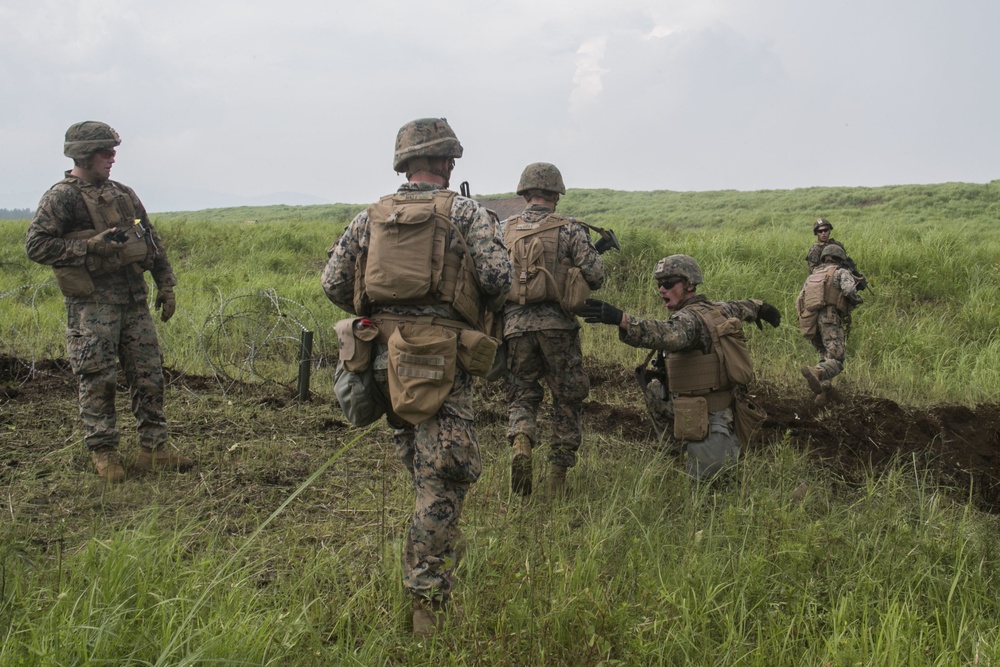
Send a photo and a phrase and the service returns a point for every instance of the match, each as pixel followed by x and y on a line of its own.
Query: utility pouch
pixel 494 326
pixel 75 281
pixel 476 352
pixel 690 418
pixel 576 290
pixel 355 343
pixel 748 418
pixel 422 360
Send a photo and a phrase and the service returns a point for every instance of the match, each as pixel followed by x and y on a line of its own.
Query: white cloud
pixel 587 76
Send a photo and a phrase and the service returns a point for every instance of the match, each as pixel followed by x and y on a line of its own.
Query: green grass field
pixel 283 547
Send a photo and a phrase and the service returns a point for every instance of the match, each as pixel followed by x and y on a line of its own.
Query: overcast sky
pixel 229 102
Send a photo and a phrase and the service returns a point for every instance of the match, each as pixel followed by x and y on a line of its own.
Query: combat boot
pixel 162 459
pixel 557 481
pixel 812 378
pixel 429 616
pixel 822 400
pixel 520 465
pixel 109 467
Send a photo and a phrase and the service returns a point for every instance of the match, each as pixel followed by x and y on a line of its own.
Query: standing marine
pixel 97 237
pixel 420 267
pixel 707 365
pixel 824 305
pixel 555 268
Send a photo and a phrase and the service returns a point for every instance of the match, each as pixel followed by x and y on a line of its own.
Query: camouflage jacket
pixel 684 330
pixel 813 256
pixel 62 211
pixel 481 236
pixel 574 243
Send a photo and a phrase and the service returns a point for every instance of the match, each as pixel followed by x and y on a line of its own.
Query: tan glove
pixel 103 246
pixel 165 302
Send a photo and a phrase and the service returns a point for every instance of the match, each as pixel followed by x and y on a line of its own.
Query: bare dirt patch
pixel 857 434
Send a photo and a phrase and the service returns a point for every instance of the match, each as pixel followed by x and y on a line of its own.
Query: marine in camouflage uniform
pixel 111 320
pixel 821 230
pixel 441 453
pixel 542 341
pixel 677 278
pixel 830 335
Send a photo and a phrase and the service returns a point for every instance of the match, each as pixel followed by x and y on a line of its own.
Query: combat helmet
pixel 541 176
pixel 683 266
pixel 425 137
pixel 833 250
pixel 86 138
pixel 821 222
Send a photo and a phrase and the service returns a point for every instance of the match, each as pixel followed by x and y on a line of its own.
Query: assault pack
pixel 539 276
pixel 408 260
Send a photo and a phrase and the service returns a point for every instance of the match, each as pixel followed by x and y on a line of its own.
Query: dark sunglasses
pixel 668 283
pixel 106 153
pixel 824 229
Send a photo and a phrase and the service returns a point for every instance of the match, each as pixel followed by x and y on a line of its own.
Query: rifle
pixel 608 240
pixel 653 368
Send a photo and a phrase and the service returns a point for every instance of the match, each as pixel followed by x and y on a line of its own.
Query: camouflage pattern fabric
pixel 682 332
pixel 112 322
pixel 442 453
pixel 574 244
pixel 97 334
pixel 557 357
pixel 832 327
pixel 813 256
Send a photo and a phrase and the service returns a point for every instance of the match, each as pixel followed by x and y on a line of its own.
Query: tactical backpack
pixel 539 276
pixel 820 291
pixel 408 262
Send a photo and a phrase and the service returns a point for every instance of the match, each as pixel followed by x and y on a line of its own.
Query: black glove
pixel 769 314
pixel 602 245
pixel 600 312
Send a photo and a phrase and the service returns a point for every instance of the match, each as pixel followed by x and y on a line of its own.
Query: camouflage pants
pixel 96 335
pixel 830 342
pixel 557 357
pixel 442 455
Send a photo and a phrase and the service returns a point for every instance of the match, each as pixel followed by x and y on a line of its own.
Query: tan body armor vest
pixel 539 275
pixel 408 263
pixel 106 211
pixel 714 374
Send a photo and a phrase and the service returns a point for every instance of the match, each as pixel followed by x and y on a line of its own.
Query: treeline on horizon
pixel 16 213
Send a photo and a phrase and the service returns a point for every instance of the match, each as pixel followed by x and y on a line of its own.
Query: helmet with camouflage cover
pixel 682 266
pixel 541 176
pixel 821 222
pixel 86 138
pixel 425 137
pixel 833 250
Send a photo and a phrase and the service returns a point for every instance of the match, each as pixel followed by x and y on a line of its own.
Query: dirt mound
pixel 854 435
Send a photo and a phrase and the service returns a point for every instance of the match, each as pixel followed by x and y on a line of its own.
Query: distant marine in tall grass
pixel 824 305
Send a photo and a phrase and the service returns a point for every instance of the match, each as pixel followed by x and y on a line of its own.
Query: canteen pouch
pixel 690 418
pixel 355 343
pixel 476 352
pixel 422 362
pixel 358 395
pixel 748 418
